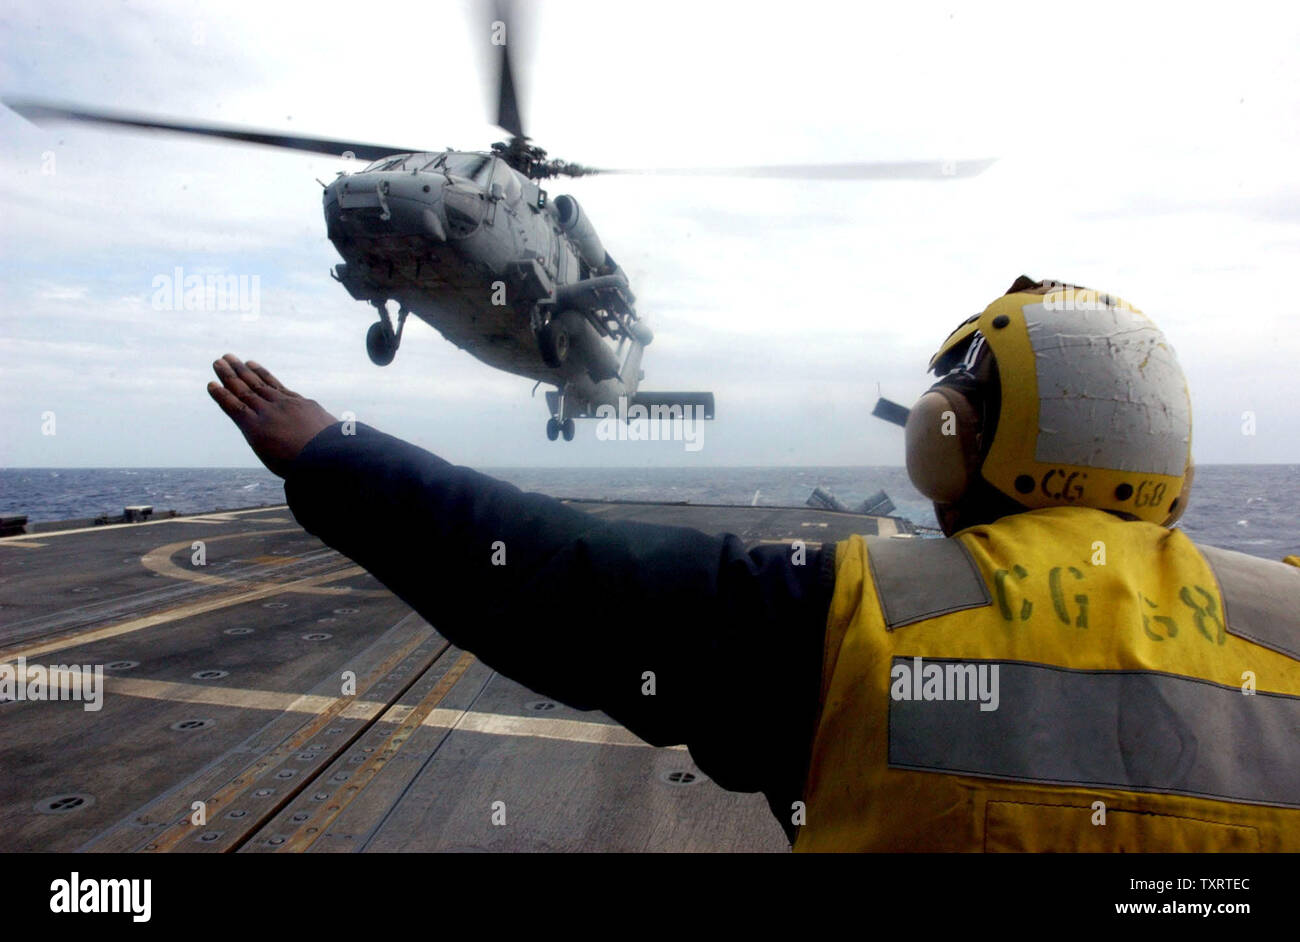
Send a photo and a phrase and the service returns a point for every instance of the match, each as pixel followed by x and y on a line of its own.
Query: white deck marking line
pixel 9 541
pixel 535 727
pixel 173 614
pixel 224 518
pixel 242 698
pixel 46 534
pixel 596 509
pixel 492 724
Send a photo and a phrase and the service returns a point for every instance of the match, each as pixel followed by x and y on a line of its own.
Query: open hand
pixel 277 422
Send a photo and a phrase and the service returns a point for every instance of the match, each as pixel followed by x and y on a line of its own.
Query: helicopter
pixel 471 243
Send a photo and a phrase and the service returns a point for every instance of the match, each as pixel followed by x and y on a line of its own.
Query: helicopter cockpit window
pixel 470 166
pixel 387 163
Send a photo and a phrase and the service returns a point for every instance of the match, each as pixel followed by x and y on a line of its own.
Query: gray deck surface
pixel 432 746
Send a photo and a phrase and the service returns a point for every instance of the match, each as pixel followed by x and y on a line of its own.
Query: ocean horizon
pixel 1252 508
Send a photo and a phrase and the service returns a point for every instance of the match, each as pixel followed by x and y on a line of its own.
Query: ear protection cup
pixel 943 444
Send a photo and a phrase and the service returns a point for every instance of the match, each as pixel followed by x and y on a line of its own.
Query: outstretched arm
pixel 581 608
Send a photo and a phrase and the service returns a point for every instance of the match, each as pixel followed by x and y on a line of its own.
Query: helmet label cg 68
pixel 1063 484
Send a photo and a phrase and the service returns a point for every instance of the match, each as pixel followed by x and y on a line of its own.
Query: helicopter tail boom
pixel 699 404
pixel 652 406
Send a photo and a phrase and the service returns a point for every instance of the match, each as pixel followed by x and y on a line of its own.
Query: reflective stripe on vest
pixel 1085 692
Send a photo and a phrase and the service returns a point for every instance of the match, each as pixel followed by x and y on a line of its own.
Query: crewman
pixel 1065 671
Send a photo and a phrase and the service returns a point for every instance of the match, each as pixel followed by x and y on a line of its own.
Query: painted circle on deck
pixel 159 562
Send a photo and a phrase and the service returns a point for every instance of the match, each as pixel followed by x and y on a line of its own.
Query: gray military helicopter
pixel 470 243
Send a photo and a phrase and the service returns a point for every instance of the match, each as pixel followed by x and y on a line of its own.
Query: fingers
pixel 230 403
pixel 251 379
pixel 243 382
pixel 269 379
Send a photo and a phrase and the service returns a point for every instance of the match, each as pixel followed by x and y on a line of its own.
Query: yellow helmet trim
pixel 955 338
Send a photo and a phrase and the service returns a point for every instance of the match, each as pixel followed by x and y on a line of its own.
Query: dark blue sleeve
pixel 583 608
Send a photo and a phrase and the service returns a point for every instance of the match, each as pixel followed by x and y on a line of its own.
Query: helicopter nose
pixel 373 204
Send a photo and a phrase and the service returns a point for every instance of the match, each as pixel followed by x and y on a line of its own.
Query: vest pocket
pixel 1044 828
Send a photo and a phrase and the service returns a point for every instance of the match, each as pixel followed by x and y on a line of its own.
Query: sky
pixel 1150 156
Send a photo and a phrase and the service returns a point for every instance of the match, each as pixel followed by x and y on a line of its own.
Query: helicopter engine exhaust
pixel 576 224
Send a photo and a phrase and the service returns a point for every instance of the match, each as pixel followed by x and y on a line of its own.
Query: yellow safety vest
pixel 1059 680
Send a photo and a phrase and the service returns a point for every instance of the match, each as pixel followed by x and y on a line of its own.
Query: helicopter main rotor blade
pixel 503 22
pixel 40 112
pixel 872 170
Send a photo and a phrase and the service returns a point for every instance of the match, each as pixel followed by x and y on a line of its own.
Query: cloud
pixel 1125 163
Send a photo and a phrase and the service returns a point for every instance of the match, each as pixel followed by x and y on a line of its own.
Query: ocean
pixel 1250 508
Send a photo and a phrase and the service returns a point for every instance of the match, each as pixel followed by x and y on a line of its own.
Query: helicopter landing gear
pixel 381 340
pixel 381 344
pixel 555 426
pixel 553 340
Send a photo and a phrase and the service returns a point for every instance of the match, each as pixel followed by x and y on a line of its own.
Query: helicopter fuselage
pixel 476 249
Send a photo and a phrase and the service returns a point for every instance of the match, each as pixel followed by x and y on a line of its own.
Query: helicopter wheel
pixel 552 429
pixel 381 345
pixel 569 429
pixel 554 342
